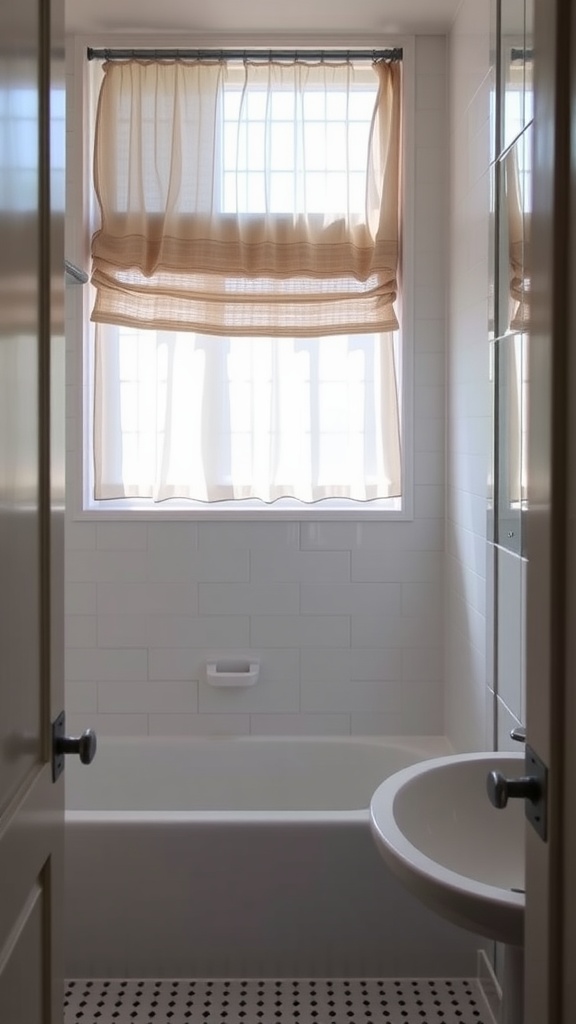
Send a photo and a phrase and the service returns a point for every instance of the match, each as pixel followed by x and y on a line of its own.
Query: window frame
pixel 79 302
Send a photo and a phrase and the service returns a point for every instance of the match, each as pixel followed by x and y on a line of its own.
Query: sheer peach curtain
pixel 518 189
pixel 518 241
pixel 247 199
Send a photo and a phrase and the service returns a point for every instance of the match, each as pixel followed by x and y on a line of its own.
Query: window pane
pixel 256 147
pixel 282 193
pixel 315 147
pixel 316 191
pixel 336 191
pixel 234 146
pixel 360 104
pixel 336 144
pixel 358 137
pixel 254 105
pixel 314 105
pixel 231 103
pixel 322 132
pixel 282 147
pixel 335 105
pixel 283 105
pixel 255 194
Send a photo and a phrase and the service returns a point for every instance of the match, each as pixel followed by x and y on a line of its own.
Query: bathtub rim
pixel 411 741
pixel 360 816
pixel 432 746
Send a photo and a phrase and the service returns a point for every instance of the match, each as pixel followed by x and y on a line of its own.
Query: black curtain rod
pixel 185 54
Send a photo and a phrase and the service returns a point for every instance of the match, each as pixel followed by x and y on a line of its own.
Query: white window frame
pixel 80 299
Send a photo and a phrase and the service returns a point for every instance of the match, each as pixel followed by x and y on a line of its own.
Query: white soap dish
pixel 232 673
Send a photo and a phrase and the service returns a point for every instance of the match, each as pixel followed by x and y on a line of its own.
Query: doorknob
pixel 531 787
pixel 501 790
pixel 84 746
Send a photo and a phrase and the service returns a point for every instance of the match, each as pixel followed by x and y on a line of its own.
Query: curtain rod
pixel 214 54
pixel 517 53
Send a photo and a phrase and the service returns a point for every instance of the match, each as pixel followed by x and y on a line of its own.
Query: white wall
pixel 469 698
pixel 345 618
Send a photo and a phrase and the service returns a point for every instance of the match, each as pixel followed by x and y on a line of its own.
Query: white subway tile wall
pixel 345 618
pixel 468 703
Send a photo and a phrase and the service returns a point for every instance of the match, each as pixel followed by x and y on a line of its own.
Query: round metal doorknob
pixel 84 746
pixel 501 789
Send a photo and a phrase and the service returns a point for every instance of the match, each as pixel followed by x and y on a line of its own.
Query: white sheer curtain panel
pixel 216 419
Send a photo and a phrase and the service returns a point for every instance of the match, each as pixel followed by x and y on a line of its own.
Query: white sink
pixel 437 830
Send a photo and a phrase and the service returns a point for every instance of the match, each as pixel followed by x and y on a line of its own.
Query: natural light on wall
pixel 299 162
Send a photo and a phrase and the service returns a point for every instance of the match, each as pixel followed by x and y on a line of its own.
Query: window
pixel 246 347
pixel 19 143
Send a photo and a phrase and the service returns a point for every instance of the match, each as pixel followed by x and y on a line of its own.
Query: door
pixel 31 507
pixel 550 528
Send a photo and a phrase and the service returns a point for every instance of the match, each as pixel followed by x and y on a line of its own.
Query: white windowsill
pixel 142 510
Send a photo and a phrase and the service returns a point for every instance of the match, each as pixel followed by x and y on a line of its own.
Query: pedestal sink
pixel 437 830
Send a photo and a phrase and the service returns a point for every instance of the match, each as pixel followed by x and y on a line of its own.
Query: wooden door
pixel 550 534
pixel 31 507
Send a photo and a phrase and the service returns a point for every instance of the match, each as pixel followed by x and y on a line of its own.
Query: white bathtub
pixel 230 857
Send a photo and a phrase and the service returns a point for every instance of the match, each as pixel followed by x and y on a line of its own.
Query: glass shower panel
pixel 512 70
pixel 515 201
pixel 512 365
pixel 511 346
pixel 529 62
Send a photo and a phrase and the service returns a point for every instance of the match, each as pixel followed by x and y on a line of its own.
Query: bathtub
pixel 248 856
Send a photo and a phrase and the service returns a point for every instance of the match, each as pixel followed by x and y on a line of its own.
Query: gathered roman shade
pixel 248 199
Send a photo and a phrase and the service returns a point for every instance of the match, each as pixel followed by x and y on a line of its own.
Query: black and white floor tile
pixel 271 1001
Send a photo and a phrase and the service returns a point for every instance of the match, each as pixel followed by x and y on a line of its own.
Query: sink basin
pixel 437 830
